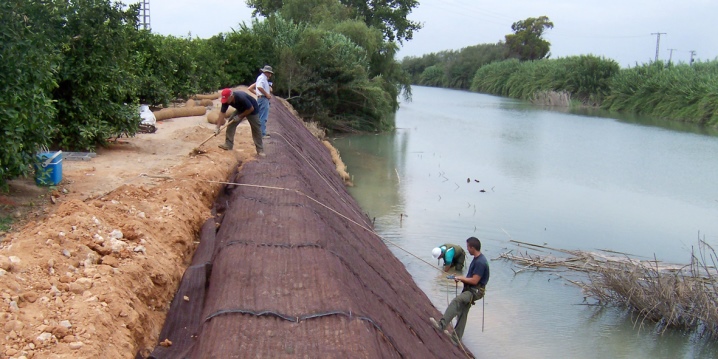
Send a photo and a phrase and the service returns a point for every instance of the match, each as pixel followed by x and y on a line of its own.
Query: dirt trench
pixel 91 271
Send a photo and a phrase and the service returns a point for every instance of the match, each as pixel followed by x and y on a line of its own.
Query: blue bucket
pixel 49 171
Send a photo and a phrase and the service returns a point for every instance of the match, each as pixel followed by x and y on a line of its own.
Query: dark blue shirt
pixel 242 102
pixel 480 266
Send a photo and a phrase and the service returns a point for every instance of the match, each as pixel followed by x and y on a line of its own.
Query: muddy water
pixel 573 181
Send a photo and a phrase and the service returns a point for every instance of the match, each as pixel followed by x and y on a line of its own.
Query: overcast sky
pixel 617 29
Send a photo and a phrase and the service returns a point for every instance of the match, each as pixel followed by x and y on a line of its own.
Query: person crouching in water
pixel 453 256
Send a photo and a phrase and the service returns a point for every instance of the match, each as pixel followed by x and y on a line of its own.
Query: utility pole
pixel 693 52
pixel 658 41
pixel 145 15
pixel 670 57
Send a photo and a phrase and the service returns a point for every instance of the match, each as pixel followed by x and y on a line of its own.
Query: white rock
pixel 94 219
pixel 66 253
pixel 93 257
pixel 76 345
pixel 61 234
pixel 2 272
pixel 141 215
pixel 116 234
pixel 14 307
pixel 98 238
pixel 117 245
pixel 140 249
pixel 14 260
pixel 45 336
pixel 85 283
pixel 66 324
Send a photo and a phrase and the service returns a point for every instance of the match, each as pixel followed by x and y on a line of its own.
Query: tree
pixel 526 43
pixel 389 16
pixel 96 77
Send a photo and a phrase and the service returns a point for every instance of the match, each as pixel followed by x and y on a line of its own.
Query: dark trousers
pixel 459 309
pixel 256 132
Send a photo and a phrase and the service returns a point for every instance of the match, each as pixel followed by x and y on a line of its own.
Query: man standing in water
pixel 474 289
pixel 452 255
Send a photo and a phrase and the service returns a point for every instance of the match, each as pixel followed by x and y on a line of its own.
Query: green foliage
pixel 433 76
pixel 526 43
pixel 493 78
pixel 245 52
pixel 389 16
pixel 458 67
pixel 337 71
pixel 678 92
pixel 83 66
pixel 96 77
pixel 315 11
pixel 586 78
pixel 27 69
pixel 5 223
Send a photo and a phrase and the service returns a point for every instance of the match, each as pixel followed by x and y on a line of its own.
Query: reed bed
pixel 677 92
pixel 586 78
pixel 672 296
pixel 552 98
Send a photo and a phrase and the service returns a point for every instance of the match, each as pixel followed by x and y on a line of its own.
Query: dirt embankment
pixel 93 270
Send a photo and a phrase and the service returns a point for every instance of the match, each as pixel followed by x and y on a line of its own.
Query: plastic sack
pixel 148 118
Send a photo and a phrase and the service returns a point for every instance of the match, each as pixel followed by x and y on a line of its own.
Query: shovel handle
pixel 220 130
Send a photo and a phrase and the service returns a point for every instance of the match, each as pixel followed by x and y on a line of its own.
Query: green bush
pixel 27 69
pixel 97 84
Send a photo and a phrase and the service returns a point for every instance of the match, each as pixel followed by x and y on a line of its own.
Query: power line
pixel 658 41
pixel 145 15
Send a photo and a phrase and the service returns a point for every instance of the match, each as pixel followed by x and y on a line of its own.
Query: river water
pixel 463 164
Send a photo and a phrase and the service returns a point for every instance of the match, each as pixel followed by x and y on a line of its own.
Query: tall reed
pixel 586 78
pixel 677 92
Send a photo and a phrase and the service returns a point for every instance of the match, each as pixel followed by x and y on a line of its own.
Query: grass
pixel 5 223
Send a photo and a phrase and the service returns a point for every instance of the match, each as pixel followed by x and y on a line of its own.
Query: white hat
pixel 436 252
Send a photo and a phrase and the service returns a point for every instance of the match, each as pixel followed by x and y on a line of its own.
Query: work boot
pixel 224 147
pixel 436 324
pixel 266 136
pixel 454 338
pixel 261 154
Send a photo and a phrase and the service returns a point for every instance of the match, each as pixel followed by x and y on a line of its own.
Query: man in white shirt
pixel 264 93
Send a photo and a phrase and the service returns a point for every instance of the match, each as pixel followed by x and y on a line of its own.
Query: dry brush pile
pixel 681 297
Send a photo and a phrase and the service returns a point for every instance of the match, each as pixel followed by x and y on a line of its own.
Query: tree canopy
pixel 526 43
pixel 389 16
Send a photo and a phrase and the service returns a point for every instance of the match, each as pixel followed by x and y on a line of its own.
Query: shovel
pixel 197 151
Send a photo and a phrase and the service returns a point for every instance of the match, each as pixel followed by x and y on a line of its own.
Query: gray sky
pixel 617 29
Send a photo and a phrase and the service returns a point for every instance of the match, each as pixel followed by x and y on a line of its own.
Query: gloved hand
pixel 216 130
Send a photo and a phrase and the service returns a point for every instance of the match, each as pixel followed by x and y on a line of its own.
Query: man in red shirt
pixel 245 107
